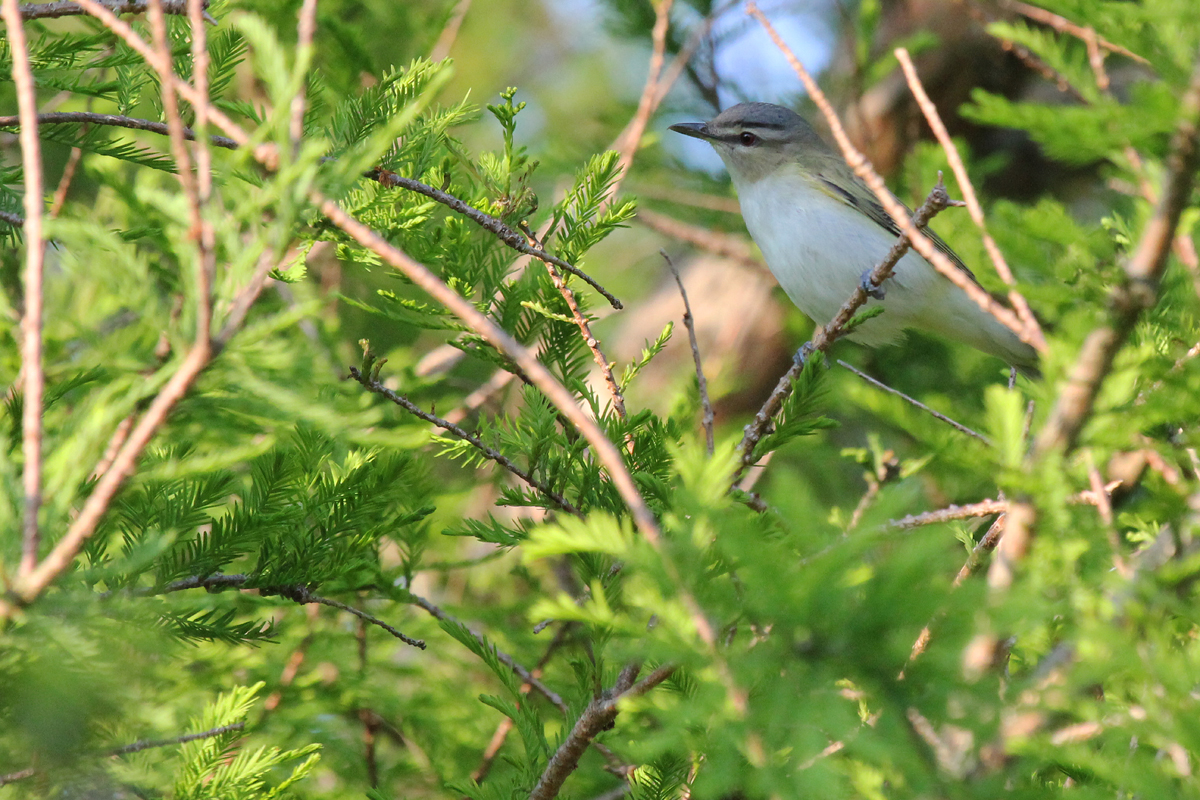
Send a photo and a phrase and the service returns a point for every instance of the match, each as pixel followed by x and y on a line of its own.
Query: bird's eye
pixel 748 139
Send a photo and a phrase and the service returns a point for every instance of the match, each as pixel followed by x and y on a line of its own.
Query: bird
pixel 821 231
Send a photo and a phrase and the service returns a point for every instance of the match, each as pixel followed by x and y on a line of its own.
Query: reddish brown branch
pixel 34 385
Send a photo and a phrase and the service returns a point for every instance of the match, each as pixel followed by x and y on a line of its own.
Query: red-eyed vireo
pixel 821 230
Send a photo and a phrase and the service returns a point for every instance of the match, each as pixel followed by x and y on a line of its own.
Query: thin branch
pixel 862 167
pixel 1032 329
pixel 629 140
pixel 505 233
pixel 138 746
pixel 597 717
pixel 958 426
pixel 605 451
pixel 302 595
pixel 690 324
pixel 68 8
pixel 147 744
pixel 16 220
pixel 1063 25
pixel 306 29
pixel 824 337
pixel 585 329
pixel 504 658
pixel 183 170
pixel 205 237
pixel 973 562
pixel 373 385
pixel 115 121
pixel 445 41
pixel 34 386
pixel 984 508
pixel 726 245
pixel 506 724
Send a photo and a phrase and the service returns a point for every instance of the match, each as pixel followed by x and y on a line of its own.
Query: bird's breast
pixel 818 248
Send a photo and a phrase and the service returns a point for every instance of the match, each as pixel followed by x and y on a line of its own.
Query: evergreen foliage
pixel 782 639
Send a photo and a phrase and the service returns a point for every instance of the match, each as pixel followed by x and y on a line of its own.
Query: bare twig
pixel 824 337
pixel 506 724
pixel 205 237
pixel 31 320
pixel 862 167
pixel 298 594
pixel 627 143
pixel 1032 329
pixel 64 183
pixel 16 220
pixel 183 164
pixel 445 41
pixel 597 717
pixel 138 746
pixel 146 744
pixel 302 595
pixel 306 28
pixel 690 324
pixel 984 508
pixel 726 245
pixel 115 121
pixel 1063 25
pixel 67 8
pixel 378 388
pixel 684 197
pixel 958 426
pixel 973 562
pixel 585 330
pixel 505 233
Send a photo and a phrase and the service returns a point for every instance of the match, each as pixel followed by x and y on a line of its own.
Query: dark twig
pixel 16 220
pixel 147 744
pixel 506 724
pixel 937 414
pixel 302 595
pixel 67 8
pixel 690 323
pixel 412 408
pixel 115 121
pixel 824 337
pixel 136 747
pixel 505 233
pixel 585 330
pixel 297 594
pixel 504 658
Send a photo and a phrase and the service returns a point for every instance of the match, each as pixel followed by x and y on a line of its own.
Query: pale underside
pixel 818 247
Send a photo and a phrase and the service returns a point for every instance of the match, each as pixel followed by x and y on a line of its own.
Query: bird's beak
pixel 697 130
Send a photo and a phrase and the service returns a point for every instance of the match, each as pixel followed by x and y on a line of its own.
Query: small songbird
pixel 821 231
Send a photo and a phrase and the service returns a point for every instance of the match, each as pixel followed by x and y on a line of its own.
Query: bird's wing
pixel 873 209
